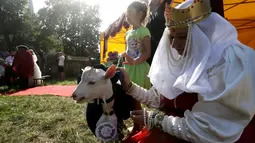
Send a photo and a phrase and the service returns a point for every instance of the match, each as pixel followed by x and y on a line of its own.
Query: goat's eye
pixel 91 82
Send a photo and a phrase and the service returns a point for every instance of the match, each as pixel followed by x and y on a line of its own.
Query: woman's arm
pixel 149 97
pixel 222 120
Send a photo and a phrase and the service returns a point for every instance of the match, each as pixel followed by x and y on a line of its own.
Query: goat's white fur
pixel 102 89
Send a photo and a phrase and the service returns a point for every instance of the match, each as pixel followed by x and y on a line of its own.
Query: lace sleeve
pixel 175 126
pixel 149 97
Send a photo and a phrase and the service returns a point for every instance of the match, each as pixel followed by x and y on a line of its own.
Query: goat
pixel 110 102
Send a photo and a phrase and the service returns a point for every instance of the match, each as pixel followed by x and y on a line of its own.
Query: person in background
pixel 37 71
pixel 61 64
pixel 23 66
pixel 2 70
pixel 4 54
pixel 138 49
pixel 156 24
pixel 9 59
pixel 42 63
pixel 8 69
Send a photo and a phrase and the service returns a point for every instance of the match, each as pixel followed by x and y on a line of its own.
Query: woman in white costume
pixel 37 71
pixel 203 82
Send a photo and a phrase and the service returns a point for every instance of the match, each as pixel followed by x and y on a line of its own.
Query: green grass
pixel 42 119
pixel 67 81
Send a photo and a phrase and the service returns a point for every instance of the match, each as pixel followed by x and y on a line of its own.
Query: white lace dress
pixel 37 73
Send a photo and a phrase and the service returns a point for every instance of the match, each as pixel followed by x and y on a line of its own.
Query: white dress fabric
pixel 37 71
pixel 220 69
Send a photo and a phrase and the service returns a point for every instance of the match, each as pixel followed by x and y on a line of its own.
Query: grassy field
pixel 67 81
pixel 42 119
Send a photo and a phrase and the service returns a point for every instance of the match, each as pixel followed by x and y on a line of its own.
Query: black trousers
pixel 8 75
pixel 23 83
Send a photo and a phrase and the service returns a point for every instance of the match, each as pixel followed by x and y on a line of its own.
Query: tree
pixel 14 20
pixel 73 22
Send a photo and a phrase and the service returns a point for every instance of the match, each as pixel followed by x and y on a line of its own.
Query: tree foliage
pixel 15 22
pixel 74 22
pixel 69 25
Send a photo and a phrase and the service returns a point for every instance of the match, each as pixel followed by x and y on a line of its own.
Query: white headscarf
pixel 208 40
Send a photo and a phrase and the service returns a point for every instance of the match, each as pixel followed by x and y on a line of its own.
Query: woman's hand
pixel 124 79
pixel 138 116
pixel 128 60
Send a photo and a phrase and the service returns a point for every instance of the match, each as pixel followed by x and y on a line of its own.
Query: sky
pixel 110 10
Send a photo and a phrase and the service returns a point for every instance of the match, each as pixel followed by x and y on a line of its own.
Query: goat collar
pixel 102 101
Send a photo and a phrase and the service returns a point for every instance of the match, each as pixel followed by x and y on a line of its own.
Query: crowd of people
pixel 21 67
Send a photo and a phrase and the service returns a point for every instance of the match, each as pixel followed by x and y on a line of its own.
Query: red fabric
pixel 248 135
pixel 23 64
pixel 183 102
pixel 58 90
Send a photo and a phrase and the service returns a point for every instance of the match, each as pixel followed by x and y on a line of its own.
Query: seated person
pixel 8 68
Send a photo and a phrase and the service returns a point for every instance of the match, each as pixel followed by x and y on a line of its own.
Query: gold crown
pixel 199 10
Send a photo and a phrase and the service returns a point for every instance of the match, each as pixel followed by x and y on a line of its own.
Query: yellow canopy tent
pixel 113 39
pixel 116 43
pixel 241 13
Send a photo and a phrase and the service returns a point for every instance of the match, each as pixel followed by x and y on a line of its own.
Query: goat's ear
pixel 110 72
pixel 82 70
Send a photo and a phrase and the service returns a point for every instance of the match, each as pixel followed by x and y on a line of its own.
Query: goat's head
pixel 95 83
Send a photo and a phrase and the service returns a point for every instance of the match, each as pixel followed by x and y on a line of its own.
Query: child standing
pixel 138 49
pixel 138 45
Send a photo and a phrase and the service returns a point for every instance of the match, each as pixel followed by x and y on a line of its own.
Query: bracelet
pixel 175 105
pixel 158 121
pixel 145 117
pixel 150 121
